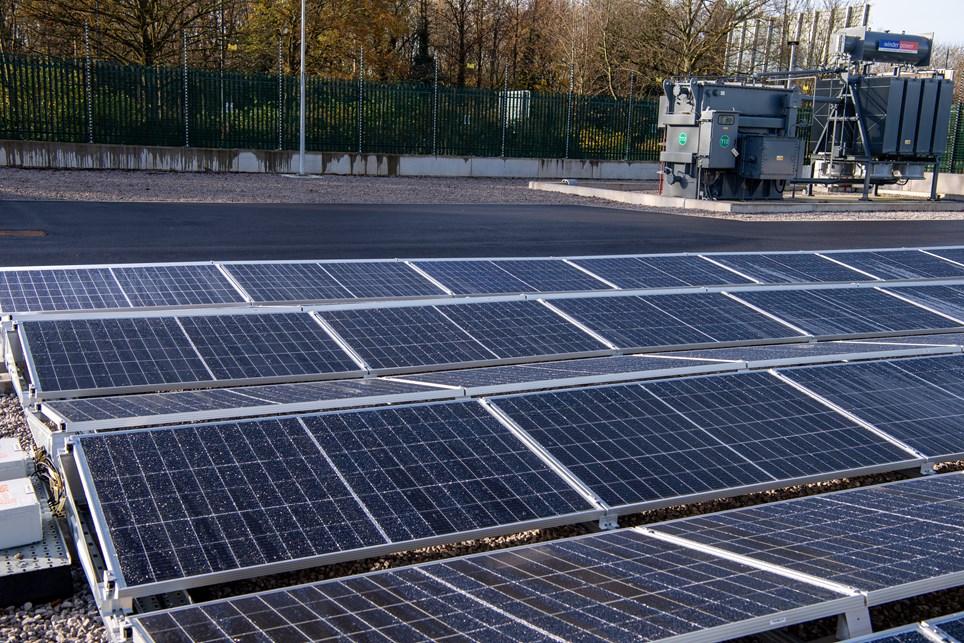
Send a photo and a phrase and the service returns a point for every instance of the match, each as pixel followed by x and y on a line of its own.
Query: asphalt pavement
pixel 84 232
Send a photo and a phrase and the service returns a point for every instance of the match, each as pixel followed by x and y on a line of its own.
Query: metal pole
pixel 361 92
pixel 572 80
pixel 629 112
pixel 435 111
pixel 280 98
pixel 187 130
pixel 505 105
pixel 90 95
pixel 793 57
pixel 301 118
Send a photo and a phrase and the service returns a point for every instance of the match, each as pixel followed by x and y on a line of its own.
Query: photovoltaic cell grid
pixel 946 299
pixel 907 634
pixel 871 539
pixel 799 351
pixel 671 320
pixel 917 401
pixel 845 311
pixel 636 443
pixel 156 405
pixel 474 277
pixel 612 586
pixel 201 499
pixel 258 346
pixel 71 355
pixel 60 289
pixel 953 625
pixel 381 279
pixel 660 272
pixel 287 282
pixel 900 264
pixel 790 268
pixel 147 286
pixel 550 275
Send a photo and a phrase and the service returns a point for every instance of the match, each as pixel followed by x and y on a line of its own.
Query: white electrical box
pixel 20 522
pixel 13 460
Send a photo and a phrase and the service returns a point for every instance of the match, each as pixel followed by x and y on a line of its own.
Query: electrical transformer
pixel 729 140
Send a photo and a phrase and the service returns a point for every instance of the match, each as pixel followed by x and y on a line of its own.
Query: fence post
pixel 572 80
pixel 361 90
pixel 435 111
pixel 629 112
pixel 90 95
pixel 505 105
pixel 187 139
pixel 957 136
pixel 280 99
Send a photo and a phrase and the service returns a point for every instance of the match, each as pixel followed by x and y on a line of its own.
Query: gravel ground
pixel 196 187
pixel 76 618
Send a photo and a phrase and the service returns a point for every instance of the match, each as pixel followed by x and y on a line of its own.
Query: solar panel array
pixel 30 290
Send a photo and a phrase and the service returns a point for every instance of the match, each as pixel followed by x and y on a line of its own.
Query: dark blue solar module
pixel 906 634
pixel 436 469
pixel 550 275
pixel 671 271
pixel 474 277
pixel 900 264
pixel 406 337
pixel 521 329
pixel 545 371
pixel 952 254
pixel 806 352
pixel 627 446
pixel 871 538
pixel 845 311
pixel 381 279
pixel 24 291
pixel 287 282
pixel 934 339
pixel 80 354
pixel 918 401
pixel 201 285
pixel 945 299
pixel 184 502
pixel 613 586
pixel 149 408
pixel 671 320
pixel 778 268
pixel 953 625
pixel 780 429
pixel 261 346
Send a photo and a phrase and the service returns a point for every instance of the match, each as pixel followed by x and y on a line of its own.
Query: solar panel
pixel 935 339
pixel 520 374
pixel 952 625
pixel 287 282
pixel 886 539
pixel 474 277
pixel 261 346
pixel 147 286
pixel 845 311
pixel 900 264
pixel 613 586
pixel 906 634
pixel 920 401
pixel 670 320
pixel 550 275
pixel 627 446
pixel 775 426
pixel 86 354
pixel 59 289
pixel 946 299
pixel 513 329
pixel 381 279
pixel 406 337
pixel 790 267
pixel 188 502
pixel 120 411
pixel 424 471
pixel 803 353
pixel 671 271
pixel 952 254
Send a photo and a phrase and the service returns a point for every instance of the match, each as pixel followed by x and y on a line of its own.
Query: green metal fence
pixel 87 101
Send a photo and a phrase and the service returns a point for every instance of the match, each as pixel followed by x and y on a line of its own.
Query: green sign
pixel 682 138
pixel 724 141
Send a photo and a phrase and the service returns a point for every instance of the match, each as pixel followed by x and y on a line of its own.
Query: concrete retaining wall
pixel 948 184
pixel 37 154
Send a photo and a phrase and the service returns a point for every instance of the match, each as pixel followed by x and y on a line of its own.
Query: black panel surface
pixel 900 264
pixel 550 275
pixel 673 271
pixel 202 285
pixel 59 289
pixel 381 279
pixel 946 299
pixel 475 277
pixel 287 282
pixel 790 268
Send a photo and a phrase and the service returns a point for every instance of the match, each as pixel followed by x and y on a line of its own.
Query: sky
pixel 943 18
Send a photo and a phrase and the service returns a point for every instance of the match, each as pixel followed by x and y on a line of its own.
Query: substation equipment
pixel 879 117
